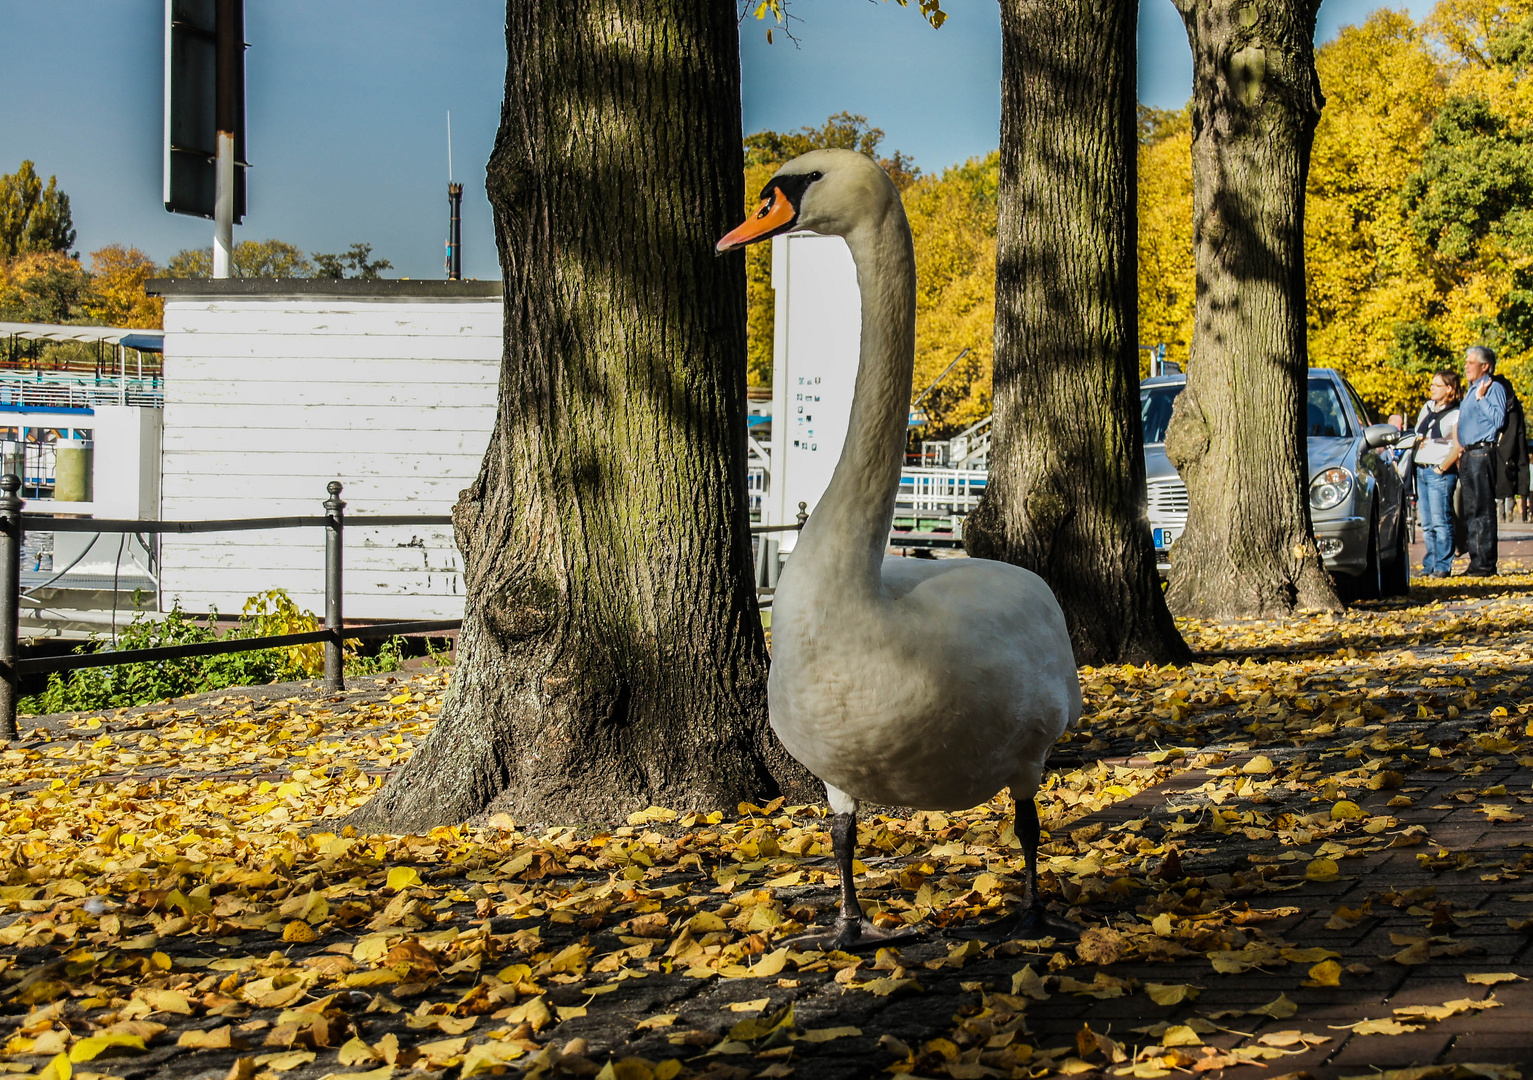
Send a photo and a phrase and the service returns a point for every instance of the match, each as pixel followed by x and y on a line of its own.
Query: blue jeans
pixel 1434 507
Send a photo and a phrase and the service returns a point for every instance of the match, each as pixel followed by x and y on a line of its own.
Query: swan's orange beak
pixel 774 212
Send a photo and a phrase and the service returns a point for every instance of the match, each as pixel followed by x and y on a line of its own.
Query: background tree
pixel 1468 200
pixel 190 263
pixel 1372 293
pixel 612 653
pixel 45 287
pixel 357 259
pixel 1066 493
pixel 952 218
pixel 1414 218
pixel 33 218
pixel 1167 284
pixel 1237 433
pixel 252 259
pixel 116 295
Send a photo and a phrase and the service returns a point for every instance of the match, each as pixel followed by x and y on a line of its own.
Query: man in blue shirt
pixel 1480 419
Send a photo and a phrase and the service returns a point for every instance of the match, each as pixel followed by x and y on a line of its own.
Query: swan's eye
pixel 816 176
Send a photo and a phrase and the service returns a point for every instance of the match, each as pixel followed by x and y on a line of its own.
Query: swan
pixel 921 683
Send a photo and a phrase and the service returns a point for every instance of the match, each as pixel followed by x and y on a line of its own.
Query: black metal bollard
pixel 335 524
pixel 10 601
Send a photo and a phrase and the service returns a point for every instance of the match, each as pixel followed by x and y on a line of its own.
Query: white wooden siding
pixel 267 399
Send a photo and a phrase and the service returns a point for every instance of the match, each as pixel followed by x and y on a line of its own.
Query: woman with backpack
pixel 1437 454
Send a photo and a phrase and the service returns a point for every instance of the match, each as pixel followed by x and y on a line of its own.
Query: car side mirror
pixel 1377 435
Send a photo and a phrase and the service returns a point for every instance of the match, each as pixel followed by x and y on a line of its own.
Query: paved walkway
pixel 1306 854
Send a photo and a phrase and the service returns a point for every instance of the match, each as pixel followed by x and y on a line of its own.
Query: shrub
pixel 268 614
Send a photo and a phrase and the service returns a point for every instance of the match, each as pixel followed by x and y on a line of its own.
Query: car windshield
pixel 1326 420
pixel 1155 410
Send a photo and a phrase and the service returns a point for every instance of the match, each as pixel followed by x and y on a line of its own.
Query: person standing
pixel 1511 453
pixel 1437 455
pixel 1481 417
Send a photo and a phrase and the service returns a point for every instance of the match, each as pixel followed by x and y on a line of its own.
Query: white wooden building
pixel 273 388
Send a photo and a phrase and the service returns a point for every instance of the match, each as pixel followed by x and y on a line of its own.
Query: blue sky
pixel 348 102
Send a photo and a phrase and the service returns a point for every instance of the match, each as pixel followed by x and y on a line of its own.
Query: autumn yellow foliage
pixel 1368 273
pixel 1167 283
pixel 1384 306
pixel 52 287
pixel 117 296
pixel 953 220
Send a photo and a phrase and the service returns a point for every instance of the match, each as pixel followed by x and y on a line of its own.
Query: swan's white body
pixel 922 683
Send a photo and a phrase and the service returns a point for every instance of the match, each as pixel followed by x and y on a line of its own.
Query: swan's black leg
pixel 850 930
pixel 1025 823
pixel 843 842
pixel 1031 919
pixel 1034 919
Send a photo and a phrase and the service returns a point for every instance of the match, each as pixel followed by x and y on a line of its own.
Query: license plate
pixel 1164 538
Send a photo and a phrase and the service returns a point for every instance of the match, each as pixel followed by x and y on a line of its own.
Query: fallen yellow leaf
pixel 89 1049
pixel 1321 870
pixel 403 877
pixel 1346 810
pixel 1325 973
pixel 1171 993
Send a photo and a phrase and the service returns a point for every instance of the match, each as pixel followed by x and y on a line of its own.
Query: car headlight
pixel 1329 488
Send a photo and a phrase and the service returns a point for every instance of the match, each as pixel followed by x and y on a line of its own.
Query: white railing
pixel 949 491
pixel 758 475
pixel 86 393
pixel 969 449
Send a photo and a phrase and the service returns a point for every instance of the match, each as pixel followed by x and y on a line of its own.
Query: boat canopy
pixel 143 340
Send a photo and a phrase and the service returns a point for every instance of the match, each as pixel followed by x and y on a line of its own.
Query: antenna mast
pixel 455 220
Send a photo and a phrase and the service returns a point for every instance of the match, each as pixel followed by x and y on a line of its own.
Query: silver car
pixel 1356 498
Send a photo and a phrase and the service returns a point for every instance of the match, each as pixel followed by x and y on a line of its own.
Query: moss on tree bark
pixel 1066 494
pixel 1237 433
pixel 612 654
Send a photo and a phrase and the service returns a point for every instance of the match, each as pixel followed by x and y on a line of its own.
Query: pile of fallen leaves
pixel 178 906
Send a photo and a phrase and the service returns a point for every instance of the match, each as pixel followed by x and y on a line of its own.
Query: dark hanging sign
pixel 204 94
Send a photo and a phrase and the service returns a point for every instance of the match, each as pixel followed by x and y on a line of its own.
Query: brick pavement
pixel 1472 907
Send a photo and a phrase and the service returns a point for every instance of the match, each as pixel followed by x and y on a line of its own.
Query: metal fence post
pixel 10 601
pixel 334 548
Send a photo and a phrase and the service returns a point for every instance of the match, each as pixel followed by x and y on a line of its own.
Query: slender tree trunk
pixel 1237 433
pixel 612 654
pixel 1066 495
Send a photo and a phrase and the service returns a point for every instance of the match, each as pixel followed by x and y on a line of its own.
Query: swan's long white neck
pixel 849 531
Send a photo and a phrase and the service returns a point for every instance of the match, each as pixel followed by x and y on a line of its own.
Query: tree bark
pixel 1066 494
pixel 612 655
pixel 1237 433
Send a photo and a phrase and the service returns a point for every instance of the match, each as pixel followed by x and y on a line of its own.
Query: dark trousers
pixel 1477 493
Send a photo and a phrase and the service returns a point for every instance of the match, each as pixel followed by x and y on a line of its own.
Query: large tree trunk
pixel 1066 495
pixel 612 653
pixel 1237 434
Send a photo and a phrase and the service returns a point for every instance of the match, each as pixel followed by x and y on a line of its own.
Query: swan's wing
pixel 994 617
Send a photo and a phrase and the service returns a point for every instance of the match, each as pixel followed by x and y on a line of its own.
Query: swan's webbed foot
pixel 851 935
pixel 1030 923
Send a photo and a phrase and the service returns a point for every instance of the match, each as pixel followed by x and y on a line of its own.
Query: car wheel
pixel 1396 573
pixel 1369 585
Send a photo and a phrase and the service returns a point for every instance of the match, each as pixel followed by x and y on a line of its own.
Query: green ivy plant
pixel 125 685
